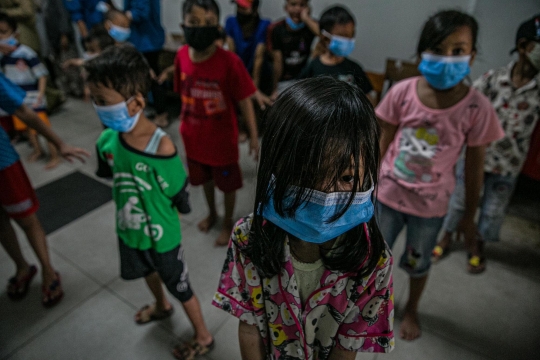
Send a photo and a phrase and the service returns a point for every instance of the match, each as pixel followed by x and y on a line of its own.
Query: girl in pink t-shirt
pixel 426 121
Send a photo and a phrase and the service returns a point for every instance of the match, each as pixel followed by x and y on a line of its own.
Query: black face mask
pixel 200 38
pixel 244 18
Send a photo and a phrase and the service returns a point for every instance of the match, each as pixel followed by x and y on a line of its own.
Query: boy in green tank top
pixel 149 188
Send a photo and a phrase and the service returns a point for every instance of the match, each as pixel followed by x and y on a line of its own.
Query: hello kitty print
pixel 353 315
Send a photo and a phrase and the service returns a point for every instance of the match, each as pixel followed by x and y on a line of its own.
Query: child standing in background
pixel 213 83
pixel 149 186
pixel 514 91
pixel 246 36
pixel 289 41
pixel 337 27
pixel 308 274
pixel 426 121
pixel 23 67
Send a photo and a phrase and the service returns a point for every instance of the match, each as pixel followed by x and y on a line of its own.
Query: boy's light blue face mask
pixel 11 41
pixel 444 72
pixel 117 117
pixel 339 45
pixel 119 33
pixel 311 221
pixel 294 26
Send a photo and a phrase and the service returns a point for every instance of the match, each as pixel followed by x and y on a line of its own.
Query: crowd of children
pixel 309 272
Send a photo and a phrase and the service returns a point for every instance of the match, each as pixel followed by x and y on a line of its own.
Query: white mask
pixel 534 56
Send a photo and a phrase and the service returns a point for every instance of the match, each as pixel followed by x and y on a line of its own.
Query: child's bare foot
pixel 35 156
pixel 410 326
pixel 225 234
pixel 206 224
pixel 52 163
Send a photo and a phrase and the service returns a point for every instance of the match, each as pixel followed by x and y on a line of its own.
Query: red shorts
pixel 17 196
pixel 227 178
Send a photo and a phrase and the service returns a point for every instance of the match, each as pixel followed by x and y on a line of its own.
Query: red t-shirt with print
pixel 210 91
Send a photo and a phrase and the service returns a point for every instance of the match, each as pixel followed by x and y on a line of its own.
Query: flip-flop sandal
pixel 438 253
pixel 154 315
pixel 191 349
pixel 476 264
pixel 17 288
pixel 49 300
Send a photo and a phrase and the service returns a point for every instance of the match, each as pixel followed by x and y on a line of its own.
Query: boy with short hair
pixel 337 26
pixel 290 41
pixel 22 66
pixel 149 185
pixel 213 83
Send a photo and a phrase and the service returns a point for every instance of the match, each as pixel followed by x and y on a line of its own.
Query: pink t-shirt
pixel 417 174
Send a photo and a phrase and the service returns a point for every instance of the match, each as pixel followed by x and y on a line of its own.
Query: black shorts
pixel 170 265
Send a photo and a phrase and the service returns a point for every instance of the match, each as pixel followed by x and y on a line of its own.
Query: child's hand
pixel 38 102
pixel 7 49
pixel 164 76
pixel 262 100
pixel 254 148
pixel 69 153
pixel 72 63
pixel 274 96
pixel 305 14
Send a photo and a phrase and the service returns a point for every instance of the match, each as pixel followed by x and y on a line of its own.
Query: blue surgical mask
pixel 12 41
pixel 312 220
pixel 444 72
pixel 339 45
pixel 294 26
pixel 117 116
pixel 119 33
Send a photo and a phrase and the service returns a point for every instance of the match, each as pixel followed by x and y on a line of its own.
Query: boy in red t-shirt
pixel 213 83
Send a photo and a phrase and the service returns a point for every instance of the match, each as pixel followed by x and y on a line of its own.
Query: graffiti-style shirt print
pixel 210 91
pixel 144 189
pixel 417 173
pixel 518 111
pixel 353 315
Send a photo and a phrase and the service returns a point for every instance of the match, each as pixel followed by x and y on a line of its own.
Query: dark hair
pixel 12 23
pixel 121 68
pixel 113 13
pixel 313 131
pixel 101 35
pixel 336 15
pixel 208 5
pixel 441 25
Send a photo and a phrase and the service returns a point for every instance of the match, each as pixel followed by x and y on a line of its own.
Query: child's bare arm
pixel 230 44
pixel 251 342
pixel 278 68
pixel 474 179
pixel 388 132
pixel 246 108
pixel 340 354
pixel 257 65
pixel 42 85
pixel 166 74
pixel 313 25
pixel 166 147
pixel 31 119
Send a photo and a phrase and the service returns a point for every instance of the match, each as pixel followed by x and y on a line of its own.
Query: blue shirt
pixel 245 47
pixel 147 34
pixel 84 10
pixel 11 98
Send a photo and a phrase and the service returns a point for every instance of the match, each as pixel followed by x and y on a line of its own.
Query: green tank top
pixel 143 187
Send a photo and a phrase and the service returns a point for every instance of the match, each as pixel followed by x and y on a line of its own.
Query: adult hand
pixel 254 148
pixel 70 153
pixel 262 100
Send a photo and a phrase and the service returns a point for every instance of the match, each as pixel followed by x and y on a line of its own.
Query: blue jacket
pixel 84 10
pixel 147 34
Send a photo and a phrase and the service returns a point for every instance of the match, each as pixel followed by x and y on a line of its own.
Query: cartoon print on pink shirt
pixel 417 147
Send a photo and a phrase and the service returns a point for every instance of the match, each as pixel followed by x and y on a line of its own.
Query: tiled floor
pixel 491 316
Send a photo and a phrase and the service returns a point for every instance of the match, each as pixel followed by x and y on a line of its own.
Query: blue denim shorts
pixel 498 190
pixel 421 236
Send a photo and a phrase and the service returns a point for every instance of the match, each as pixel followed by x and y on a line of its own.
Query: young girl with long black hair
pixel 308 273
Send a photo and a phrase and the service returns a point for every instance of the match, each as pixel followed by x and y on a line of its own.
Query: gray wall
pixel 390 28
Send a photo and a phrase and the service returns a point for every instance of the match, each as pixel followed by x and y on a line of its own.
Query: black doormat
pixel 67 199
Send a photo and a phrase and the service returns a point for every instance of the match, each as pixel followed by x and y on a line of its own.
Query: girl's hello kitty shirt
pixel 417 174
pixel 352 315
